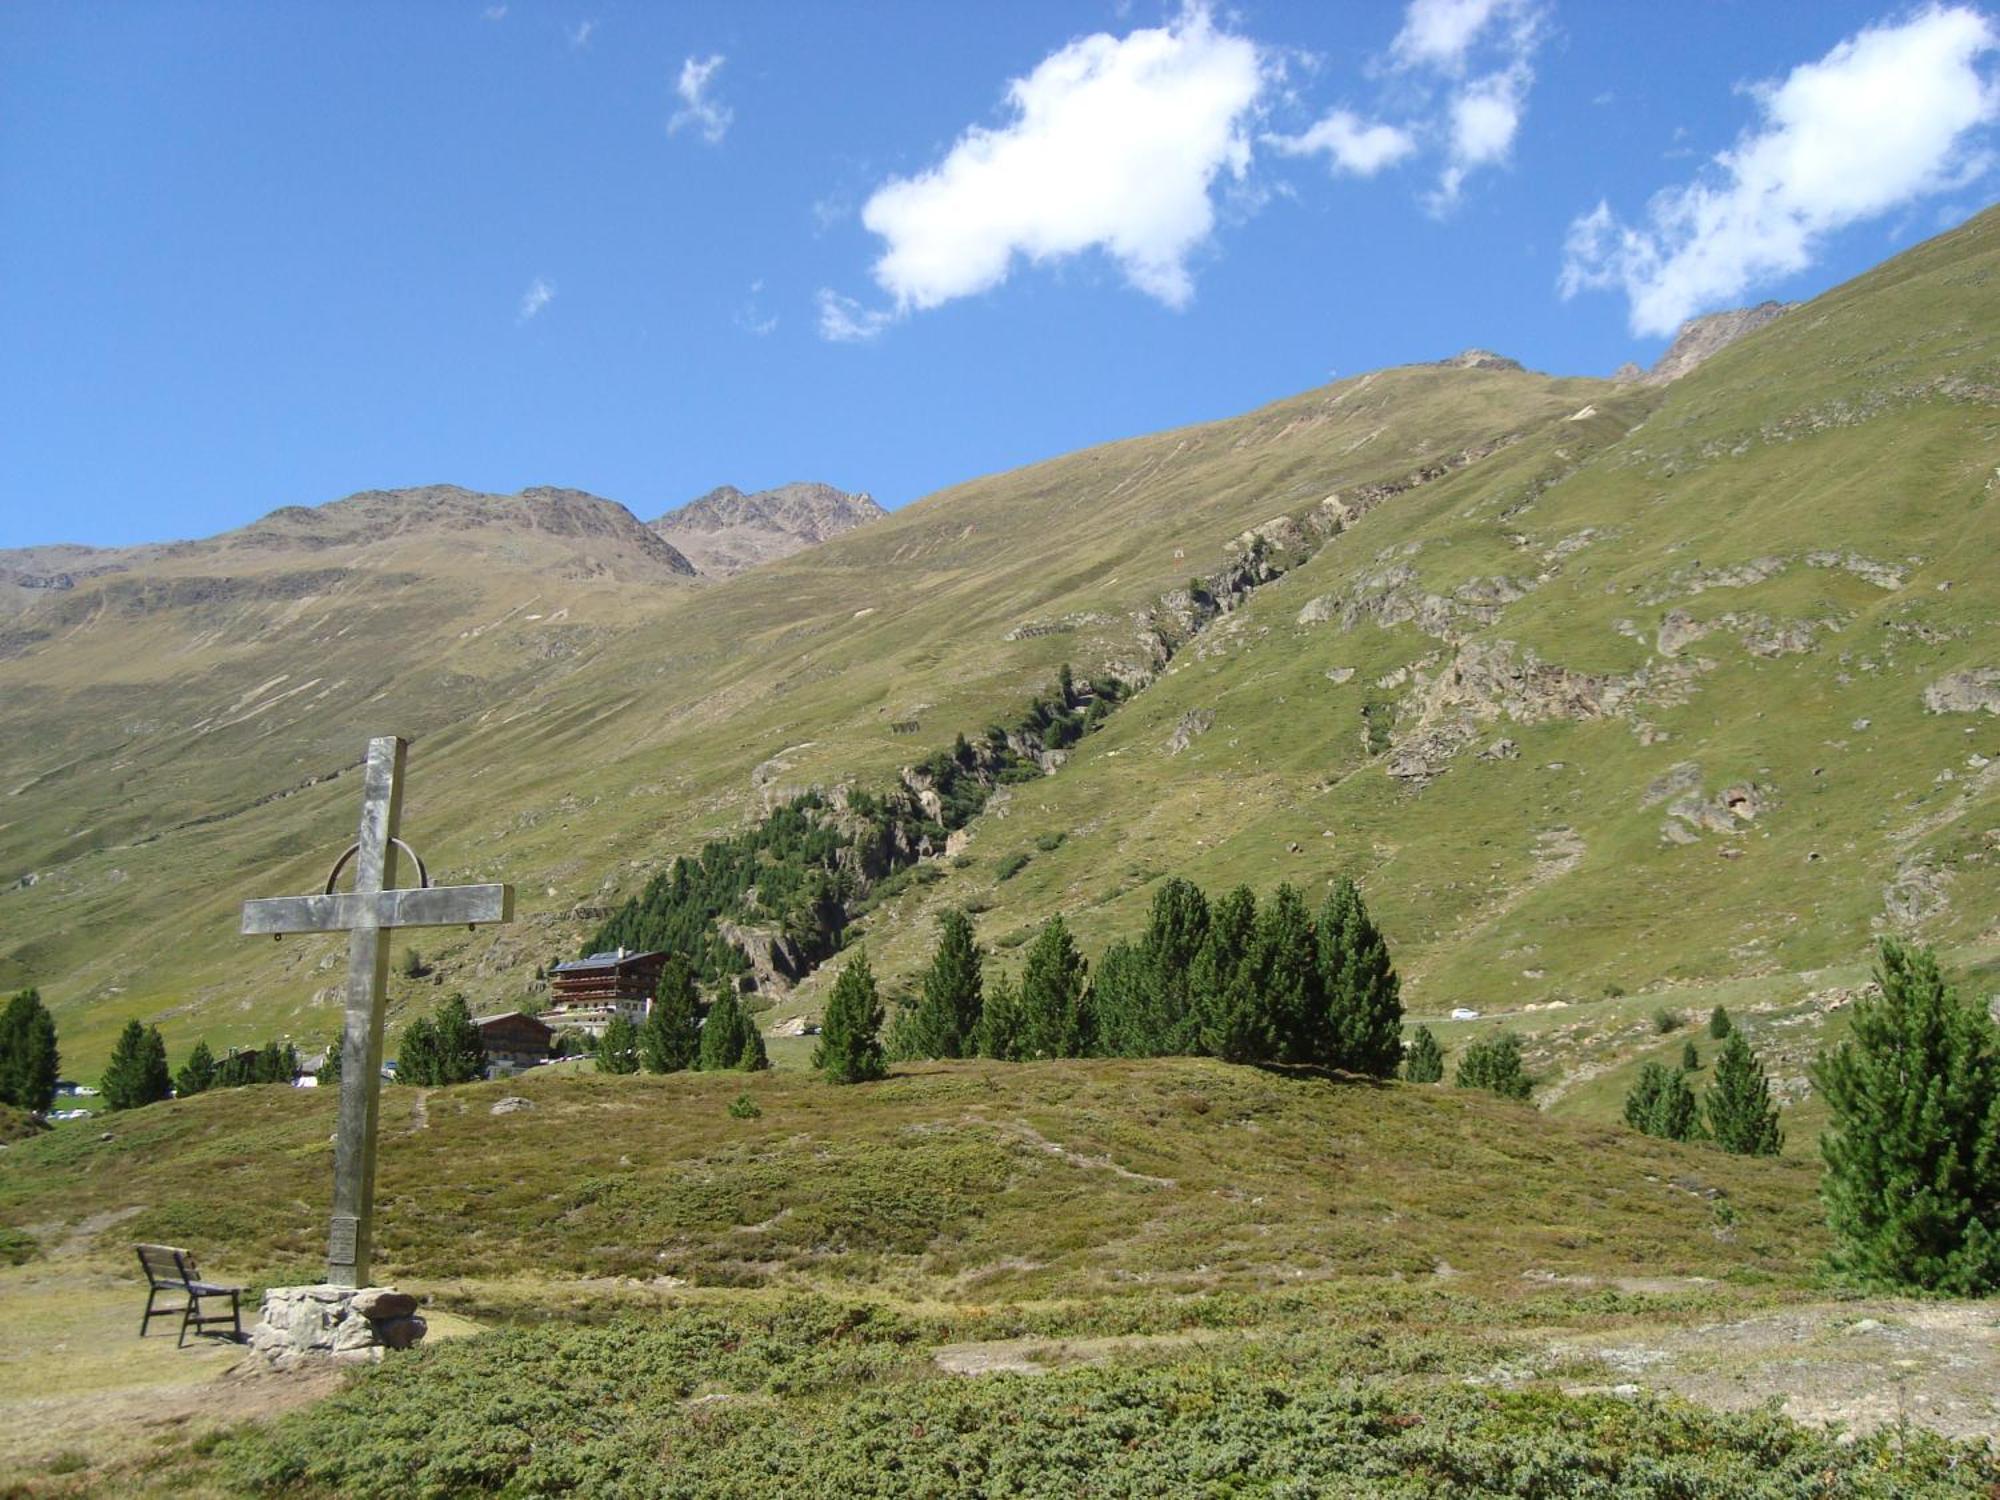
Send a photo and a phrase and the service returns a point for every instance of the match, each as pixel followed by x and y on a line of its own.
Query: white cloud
pixel 494 13
pixel 1484 117
pixel 1480 115
pixel 540 293
pixel 579 34
pixel 1114 144
pixel 1892 114
pixel 1439 33
pixel 1351 143
pixel 699 112
pixel 751 316
pixel 842 320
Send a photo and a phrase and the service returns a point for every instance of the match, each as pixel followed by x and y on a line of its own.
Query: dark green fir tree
pixel 1423 1059
pixel 1055 998
pixel 850 1036
pixel 618 1046
pixel 945 1020
pixel 1493 1063
pixel 29 1061
pixel 1364 998
pixel 1741 1117
pixel 1912 1181
pixel 197 1074
pixel 137 1073
pixel 670 1038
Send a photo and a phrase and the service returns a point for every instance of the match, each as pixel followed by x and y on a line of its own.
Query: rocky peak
pixel 726 530
pixel 1480 359
pixel 1701 339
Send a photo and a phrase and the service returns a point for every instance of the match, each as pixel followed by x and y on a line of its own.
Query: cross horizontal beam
pixel 352 911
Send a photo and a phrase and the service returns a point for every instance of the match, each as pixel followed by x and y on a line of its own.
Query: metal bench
pixel 172 1271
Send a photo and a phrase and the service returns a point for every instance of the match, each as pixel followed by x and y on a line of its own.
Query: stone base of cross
pixel 368 914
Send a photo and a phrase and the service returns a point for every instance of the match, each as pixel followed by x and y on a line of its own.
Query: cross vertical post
pixel 350 1238
pixel 368 914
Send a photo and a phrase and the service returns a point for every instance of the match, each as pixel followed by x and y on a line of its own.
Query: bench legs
pixel 193 1317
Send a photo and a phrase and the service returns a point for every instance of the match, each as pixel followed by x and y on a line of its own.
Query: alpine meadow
pixel 1436 937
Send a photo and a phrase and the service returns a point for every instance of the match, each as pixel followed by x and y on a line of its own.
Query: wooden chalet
pixel 515 1040
pixel 586 993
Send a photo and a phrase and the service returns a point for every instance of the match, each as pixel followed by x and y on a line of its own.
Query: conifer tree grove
pixel 1741 1117
pixel 1423 1060
pixel 197 1074
pixel 850 1037
pixel 1000 1021
pixel 1912 1182
pixel 670 1040
pixel 1493 1063
pixel 1055 1015
pixel 945 1020
pixel 416 1054
pixel 618 1046
pixel 1662 1104
pixel 723 1033
pixel 1120 1003
pixel 137 1073
pixel 1286 962
pixel 1224 985
pixel 1175 932
pixel 461 1054
pixel 29 1062
pixel 1364 998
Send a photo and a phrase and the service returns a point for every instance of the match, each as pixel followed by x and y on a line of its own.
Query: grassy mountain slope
pixel 1577 800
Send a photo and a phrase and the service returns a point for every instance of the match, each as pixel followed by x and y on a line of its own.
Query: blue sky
pixel 255 255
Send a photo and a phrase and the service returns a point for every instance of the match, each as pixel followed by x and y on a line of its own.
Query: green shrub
pixel 1010 865
pixel 743 1107
pixel 1493 1063
pixel 1048 843
pixel 1665 1020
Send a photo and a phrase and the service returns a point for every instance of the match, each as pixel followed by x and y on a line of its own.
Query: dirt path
pixel 1863 1364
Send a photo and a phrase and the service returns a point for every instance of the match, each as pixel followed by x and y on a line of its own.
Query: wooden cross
pixel 368 913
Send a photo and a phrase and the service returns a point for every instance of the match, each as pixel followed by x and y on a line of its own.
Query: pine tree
pixel 1741 1117
pixel 1423 1060
pixel 669 1039
pixel 1120 1007
pixel 1175 931
pixel 1363 995
pixel 1912 1184
pixel 417 1054
pixel 1000 1021
pixel 275 1062
pixel 461 1052
pixel 750 1054
pixel 29 1061
pixel 197 1074
pixel 850 1036
pixel 945 1020
pixel 1287 965
pixel 1719 1024
pixel 618 1046
pixel 1690 1058
pixel 1662 1104
pixel 1493 1063
pixel 722 1038
pixel 1223 986
pixel 1055 1015
pixel 137 1073
pixel 329 1071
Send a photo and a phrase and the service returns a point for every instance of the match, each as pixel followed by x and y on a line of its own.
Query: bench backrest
pixel 166 1266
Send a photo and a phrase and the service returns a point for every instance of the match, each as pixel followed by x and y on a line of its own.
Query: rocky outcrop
pixel 1480 359
pixel 1691 814
pixel 1194 723
pixel 1701 339
pixel 726 531
pixel 304 1324
pixel 1976 691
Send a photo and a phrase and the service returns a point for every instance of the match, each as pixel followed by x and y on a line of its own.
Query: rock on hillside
pixel 1703 338
pixel 726 531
